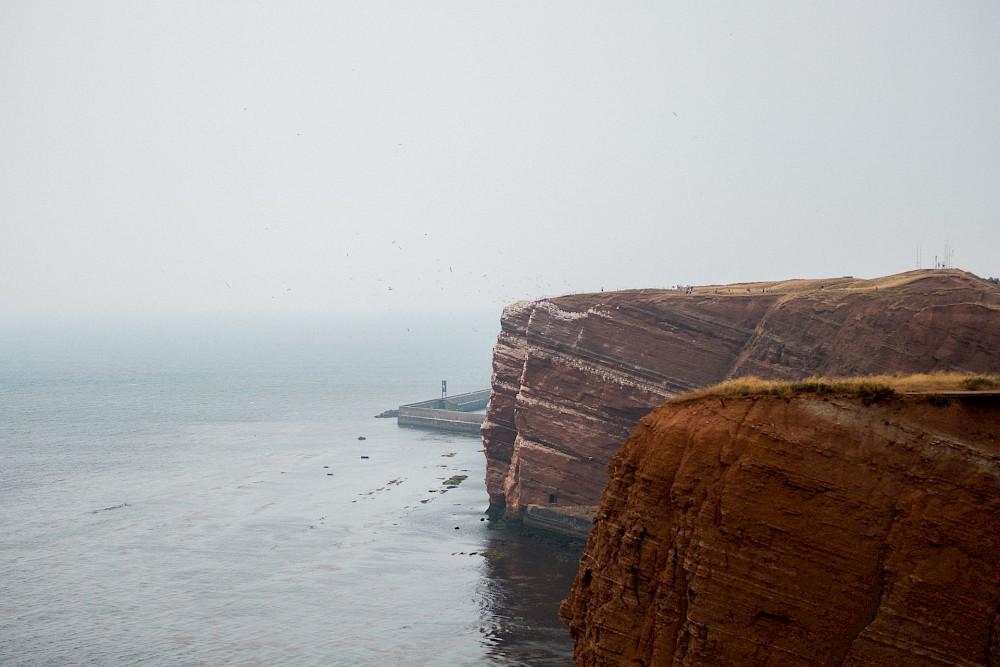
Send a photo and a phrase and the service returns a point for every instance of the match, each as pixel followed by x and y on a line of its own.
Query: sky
pixel 283 157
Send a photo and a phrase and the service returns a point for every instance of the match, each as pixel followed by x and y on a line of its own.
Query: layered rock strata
pixel 798 531
pixel 573 375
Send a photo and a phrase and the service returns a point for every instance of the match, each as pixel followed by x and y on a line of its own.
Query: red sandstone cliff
pixel 798 531
pixel 573 375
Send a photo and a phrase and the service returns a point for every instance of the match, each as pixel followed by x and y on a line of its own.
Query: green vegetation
pixel 494 554
pixel 870 389
pixel 980 382
pixel 995 281
pixel 874 392
pixel 454 480
pixel 504 522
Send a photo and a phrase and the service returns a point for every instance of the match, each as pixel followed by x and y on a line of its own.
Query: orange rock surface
pixel 798 531
pixel 573 375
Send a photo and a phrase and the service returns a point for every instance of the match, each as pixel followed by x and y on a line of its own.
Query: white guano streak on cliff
pixel 568 315
pixel 601 372
pixel 511 310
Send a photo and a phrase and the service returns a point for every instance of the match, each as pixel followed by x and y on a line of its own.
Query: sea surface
pixel 214 491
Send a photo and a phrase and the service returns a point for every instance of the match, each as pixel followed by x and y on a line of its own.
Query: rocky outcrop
pixel 798 531
pixel 573 375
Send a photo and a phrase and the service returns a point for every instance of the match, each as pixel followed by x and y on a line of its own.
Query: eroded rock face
pixel 802 531
pixel 573 375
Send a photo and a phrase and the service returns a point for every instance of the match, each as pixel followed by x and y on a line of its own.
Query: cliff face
pixel 573 375
pixel 798 531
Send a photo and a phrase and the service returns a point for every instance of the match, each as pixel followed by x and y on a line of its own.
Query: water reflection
pixel 528 574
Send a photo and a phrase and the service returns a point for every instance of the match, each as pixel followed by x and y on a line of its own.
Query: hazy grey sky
pixel 312 155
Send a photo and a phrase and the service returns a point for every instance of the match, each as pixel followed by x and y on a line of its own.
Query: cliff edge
pixel 573 375
pixel 798 530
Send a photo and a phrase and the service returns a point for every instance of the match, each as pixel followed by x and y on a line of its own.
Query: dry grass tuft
pixel 980 382
pixel 870 388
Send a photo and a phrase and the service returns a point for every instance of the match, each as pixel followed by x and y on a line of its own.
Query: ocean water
pixel 198 493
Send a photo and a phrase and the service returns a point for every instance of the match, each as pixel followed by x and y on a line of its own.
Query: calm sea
pixel 198 492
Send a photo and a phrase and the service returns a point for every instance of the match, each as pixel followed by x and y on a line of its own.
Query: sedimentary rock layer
pixel 573 375
pixel 798 531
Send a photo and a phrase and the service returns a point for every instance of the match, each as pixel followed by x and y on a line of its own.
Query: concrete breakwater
pixel 455 413
pixel 569 521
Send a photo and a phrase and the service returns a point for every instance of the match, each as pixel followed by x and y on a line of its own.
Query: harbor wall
pixel 454 413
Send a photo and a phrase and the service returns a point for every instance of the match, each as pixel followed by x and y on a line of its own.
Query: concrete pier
pixel 454 413
pixel 571 521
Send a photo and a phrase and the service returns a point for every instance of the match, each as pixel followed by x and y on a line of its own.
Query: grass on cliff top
pixel 870 388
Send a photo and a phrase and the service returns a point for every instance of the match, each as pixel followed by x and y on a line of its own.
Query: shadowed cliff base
pixel 573 375
pixel 849 522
